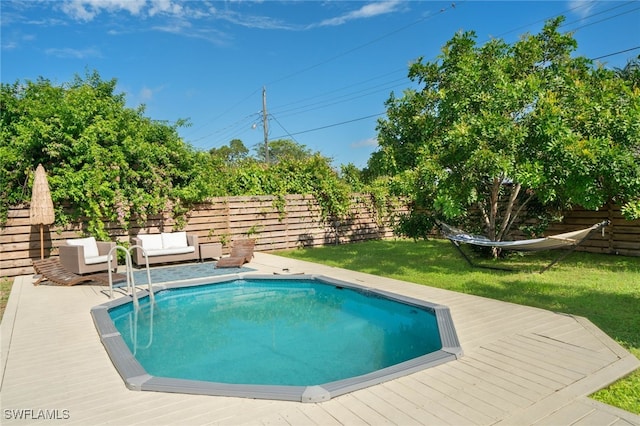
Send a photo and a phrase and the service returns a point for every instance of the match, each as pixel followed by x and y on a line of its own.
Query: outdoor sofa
pixel 165 247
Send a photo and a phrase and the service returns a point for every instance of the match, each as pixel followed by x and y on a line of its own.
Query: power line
pixel 351 96
pixel 224 113
pixel 340 89
pixel 369 43
pixel 280 124
pixel 572 9
pixel 423 19
pixel 585 25
pixel 348 96
pixel 616 53
pixel 333 125
pixel 231 128
pixel 604 19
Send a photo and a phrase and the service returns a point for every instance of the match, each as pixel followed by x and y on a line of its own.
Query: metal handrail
pixel 131 285
pixel 128 267
pixel 146 259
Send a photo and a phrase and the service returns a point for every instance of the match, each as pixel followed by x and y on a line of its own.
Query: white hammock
pixel 566 239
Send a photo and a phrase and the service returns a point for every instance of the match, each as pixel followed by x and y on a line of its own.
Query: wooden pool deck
pixel 521 366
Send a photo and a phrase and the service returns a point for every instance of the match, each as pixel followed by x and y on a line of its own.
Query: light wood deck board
pixel 318 414
pixel 555 367
pixel 52 358
pixel 596 418
pixel 415 413
pixel 557 353
pixel 455 399
pixel 512 374
pixel 440 405
pixel 496 399
pixel 291 416
pixel 582 344
pixel 566 415
pixel 343 414
pixel 377 400
pixel 623 422
pixel 363 410
pixel 410 402
pixel 498 380
pixel 520 368
pixel 483 333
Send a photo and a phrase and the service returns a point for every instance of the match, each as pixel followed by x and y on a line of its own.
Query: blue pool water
pixel 273 332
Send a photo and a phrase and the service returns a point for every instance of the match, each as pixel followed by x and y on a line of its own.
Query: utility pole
pixel 265 124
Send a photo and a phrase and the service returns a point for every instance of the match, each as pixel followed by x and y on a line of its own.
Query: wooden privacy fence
pixel 297 224
pixel 621 237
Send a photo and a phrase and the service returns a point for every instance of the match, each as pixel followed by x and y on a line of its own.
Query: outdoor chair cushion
pixel 170 251
pixel 173 240
pixel 151 241
pixel 90 248
pixel 96 259
pixel 165 243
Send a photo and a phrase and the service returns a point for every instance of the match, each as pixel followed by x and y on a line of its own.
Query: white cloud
pixel 141 96
pixel 86 10
pixel 267 23
pixel 9 45
pixel 582 8
pixel 67 52
pixel 146 94
pixel 251 21
pixel 367 11
pixel 165 6
pixel 16 40
pixel 365 143
pixel 184 28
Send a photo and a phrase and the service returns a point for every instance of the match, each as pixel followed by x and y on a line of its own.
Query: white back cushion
pixel 174 239
pixel 89 244
pixel 151 241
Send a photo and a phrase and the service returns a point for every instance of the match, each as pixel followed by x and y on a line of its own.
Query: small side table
pixel 210 251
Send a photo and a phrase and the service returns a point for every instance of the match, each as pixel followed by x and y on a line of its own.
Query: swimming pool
pixel 305 338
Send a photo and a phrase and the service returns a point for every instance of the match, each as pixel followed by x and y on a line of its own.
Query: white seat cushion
pixel 172 240
pixel 96 259
pixel 89 244
pixel 171 251
pixel 151 241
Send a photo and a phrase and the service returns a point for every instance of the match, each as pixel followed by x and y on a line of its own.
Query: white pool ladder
pixel 131 285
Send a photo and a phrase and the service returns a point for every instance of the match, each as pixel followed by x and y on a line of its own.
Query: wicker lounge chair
pixel 241 253
pixel 52 270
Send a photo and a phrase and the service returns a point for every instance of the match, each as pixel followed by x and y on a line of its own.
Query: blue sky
pixel 328 66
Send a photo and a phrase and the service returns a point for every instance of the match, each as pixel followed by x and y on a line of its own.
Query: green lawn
pixel 5 289
pixel 603 288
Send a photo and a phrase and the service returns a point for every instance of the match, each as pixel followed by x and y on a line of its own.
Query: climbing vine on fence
pixel 111 163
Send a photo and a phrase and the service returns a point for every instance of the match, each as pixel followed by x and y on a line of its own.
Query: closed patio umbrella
pixel 41 208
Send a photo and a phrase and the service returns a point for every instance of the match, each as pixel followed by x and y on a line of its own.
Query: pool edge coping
pixel 136 378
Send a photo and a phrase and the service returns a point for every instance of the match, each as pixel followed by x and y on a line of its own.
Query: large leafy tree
pixel 283 149
pixel 631 72
pixel 497 127
pixel 104 160
pixel 232 153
